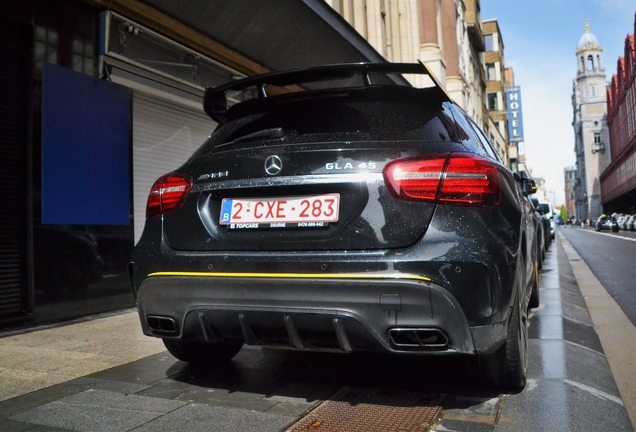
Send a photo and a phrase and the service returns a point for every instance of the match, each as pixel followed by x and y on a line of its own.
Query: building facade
pixel 618 181
pixel 495 97
pixel 444 34
pixel 98 98
pixel 570 178
pixel 447 35
pixel 591 135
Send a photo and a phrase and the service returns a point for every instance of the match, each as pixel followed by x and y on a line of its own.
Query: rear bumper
pixel 342 313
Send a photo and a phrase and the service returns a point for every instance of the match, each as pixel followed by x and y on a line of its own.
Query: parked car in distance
pixel 629 225
pixel 354 213
pixel 546 209
pixel 622 221
pixel 605 222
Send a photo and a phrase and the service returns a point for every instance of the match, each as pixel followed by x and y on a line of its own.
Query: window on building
pixel 593 89
pixel 489 42
pixel 491 72
pixel 590 63
pixel 50 47
pixel 598 143
pixel 597 138
pixel 493 104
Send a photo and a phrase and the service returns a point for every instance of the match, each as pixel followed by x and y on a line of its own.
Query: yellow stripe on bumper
pixel 293 275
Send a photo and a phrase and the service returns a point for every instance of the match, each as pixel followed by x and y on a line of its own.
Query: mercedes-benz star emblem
pixel 273 165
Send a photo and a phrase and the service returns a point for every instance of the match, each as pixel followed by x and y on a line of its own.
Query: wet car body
pixel 433 274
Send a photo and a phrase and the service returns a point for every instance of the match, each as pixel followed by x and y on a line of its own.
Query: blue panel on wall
pixel 85 149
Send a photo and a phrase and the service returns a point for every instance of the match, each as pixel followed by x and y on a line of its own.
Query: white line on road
pixel 609 235
pixel 595 392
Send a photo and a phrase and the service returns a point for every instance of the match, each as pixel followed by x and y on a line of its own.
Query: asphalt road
pixel 611 257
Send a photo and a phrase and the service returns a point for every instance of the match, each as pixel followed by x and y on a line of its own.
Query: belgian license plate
pixel 281 212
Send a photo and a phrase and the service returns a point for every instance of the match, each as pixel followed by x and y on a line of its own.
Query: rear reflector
pixel 168 193
pixel 455 178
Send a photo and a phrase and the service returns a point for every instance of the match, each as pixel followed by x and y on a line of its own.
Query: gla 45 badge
pixel 349 165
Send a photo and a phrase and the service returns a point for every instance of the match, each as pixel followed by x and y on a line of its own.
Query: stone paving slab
pixel 556 396
pixel 203 418
pixel 44 356
pixel 98 410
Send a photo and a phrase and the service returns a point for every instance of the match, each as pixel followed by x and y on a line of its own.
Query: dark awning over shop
pixel 278 34
pixel 254 36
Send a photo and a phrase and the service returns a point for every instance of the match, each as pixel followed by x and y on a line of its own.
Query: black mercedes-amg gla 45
pixel 339 208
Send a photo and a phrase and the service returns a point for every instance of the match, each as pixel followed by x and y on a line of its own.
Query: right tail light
pixel 449 178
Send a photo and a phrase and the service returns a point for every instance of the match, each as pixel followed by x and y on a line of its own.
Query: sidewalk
pixel 614 329
pixel 47 355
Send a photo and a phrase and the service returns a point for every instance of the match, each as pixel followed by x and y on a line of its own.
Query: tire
pixel 507 367
pixel 535 300
pixel 202 352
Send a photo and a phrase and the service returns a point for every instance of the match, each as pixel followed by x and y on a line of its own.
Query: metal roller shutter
pixel 165 135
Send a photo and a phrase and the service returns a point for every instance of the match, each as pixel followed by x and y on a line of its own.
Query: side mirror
pixel 528 186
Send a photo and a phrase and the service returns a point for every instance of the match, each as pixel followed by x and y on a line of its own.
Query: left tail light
pixel 455 178
pixel 168 193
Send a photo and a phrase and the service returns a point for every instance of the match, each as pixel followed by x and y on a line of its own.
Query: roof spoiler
pixel 215 99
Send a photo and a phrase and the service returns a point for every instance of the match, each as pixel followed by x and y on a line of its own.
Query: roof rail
pixel 215 99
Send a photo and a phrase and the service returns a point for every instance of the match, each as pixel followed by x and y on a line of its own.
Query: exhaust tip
pixel 162 324
pixel 424 338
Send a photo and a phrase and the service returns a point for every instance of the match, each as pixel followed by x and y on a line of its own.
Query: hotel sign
pixel 515 116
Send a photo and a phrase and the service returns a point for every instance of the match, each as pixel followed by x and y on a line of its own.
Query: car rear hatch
pixel 306 173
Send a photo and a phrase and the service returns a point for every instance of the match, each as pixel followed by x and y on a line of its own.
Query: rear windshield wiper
pixel 273 133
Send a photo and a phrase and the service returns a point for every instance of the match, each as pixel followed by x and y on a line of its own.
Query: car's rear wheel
pixel 507 367
pixel 202 352
pixel 535 296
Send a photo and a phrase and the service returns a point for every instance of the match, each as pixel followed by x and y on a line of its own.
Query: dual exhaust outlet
pixel 423 338
pixel 161 324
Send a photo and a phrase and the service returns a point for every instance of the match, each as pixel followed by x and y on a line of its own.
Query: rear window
pixel 334 118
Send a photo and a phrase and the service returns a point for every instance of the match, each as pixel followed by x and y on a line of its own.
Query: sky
pixel 540 38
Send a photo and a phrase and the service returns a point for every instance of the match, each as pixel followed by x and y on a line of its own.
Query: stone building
pixel 590 125
pixel 497 79
pixel 569 176
pixel 447 36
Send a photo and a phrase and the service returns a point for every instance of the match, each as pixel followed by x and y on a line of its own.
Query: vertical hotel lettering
pixel 515 117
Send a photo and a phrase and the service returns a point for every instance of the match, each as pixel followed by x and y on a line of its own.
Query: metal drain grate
pixel 367 410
